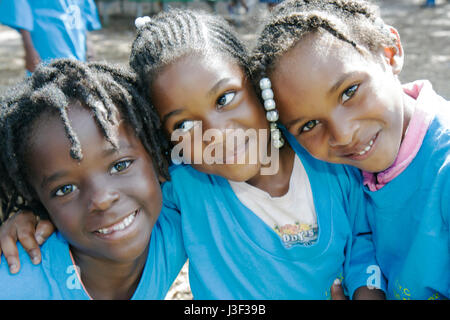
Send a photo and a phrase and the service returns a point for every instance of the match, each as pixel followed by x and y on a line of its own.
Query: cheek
pixel 254 112
pixel 315 146
pixel 68 219
pixel 147 190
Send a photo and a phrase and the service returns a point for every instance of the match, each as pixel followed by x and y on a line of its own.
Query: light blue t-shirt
pixel 57 27
pixel 410 220
pixel 56 278
pixel 233 254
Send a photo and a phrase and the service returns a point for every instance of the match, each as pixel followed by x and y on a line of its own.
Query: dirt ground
pixel 425 35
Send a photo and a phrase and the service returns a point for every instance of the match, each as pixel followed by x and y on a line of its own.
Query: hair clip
pixel 141 21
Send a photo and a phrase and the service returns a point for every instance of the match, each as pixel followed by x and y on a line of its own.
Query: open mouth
pixel 363 153
pixel 121 225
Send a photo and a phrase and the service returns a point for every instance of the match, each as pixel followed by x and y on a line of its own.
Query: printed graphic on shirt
pixel 297 234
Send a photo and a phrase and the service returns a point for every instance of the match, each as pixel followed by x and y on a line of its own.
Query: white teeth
pixel 119 226
pixel 366 148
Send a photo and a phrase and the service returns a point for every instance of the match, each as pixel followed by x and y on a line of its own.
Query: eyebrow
pixel 217 86
pixel 53 177
pixel 210 93
pixel 170 114
pixel 292 122
pixel 63 173
pixel 340 81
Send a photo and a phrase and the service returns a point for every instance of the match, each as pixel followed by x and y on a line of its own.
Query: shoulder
pixel 185 178
pixel 435 149
pixel 32 281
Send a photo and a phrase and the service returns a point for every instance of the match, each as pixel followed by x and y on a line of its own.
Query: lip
pixel 120 228
pixel 362 151
pixel 238 151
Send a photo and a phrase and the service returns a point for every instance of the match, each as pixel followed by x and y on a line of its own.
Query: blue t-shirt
pixel 410 220
pixel 56 279
pixel 233 254
pixel 57 27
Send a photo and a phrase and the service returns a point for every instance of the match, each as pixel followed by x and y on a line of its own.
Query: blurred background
pixel 424 31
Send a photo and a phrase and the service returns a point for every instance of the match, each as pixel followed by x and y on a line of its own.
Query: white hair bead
pixel 269 104
pixel 273 126
pixel 275 134
pixel 272 116
pixel 278 143
pixel 141 21
pixel 267 94
pixel 264 83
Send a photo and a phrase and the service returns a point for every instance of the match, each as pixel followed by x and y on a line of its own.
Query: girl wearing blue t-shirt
pixel 248 235
pixel 334 68
pixel 74 146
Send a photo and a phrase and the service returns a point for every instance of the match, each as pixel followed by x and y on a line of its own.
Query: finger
pixel 11 254
pixel 43 230
pixel 337 292
pixel 29 243
pixel 26 226
pixel 7 234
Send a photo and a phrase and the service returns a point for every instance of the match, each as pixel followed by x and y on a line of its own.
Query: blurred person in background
pixel 51 28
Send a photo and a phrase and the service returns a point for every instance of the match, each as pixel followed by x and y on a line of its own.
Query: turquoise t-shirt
pixel 56 277
pixel 57 27
pixel 410 220
pixel 233 254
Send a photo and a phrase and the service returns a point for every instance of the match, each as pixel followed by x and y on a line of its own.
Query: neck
pixel 409 105
pixel 109 280
pixel 277 184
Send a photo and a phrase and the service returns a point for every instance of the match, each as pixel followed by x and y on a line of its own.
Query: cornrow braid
pixel 171 35
pixel 356 22
pixel 103 89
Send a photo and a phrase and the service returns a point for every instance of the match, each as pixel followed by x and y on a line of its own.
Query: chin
pixel 378 166
pixel 242 173
pixel 233 172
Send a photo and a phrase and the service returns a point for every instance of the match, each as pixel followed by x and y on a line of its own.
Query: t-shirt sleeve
pixel 91 16
pixel 361 267
pixel 16 14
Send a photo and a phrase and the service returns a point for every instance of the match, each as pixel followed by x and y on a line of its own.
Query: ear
pixel 161 179
pixel 394 55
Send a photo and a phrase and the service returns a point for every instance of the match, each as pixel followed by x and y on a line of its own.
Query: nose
pixel 218 128
pixel 342 130
pixel 102 199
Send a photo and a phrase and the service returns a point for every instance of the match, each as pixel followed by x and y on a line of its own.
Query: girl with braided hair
pixel 288 235
pixel 197 73
pixel 75 146
pixel 334 66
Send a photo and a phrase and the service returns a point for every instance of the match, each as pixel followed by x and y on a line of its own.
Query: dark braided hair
pixel 101 88
pixel 356 22
pixel 171 35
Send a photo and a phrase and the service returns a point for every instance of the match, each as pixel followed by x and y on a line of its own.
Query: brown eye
pixel 185 126
pixel 121 166
pixel 309 126
pixel 350 92
pixel 65 190
pixel 225 99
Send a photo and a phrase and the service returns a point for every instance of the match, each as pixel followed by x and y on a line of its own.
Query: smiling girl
pixel 74 148
pixel 334 66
